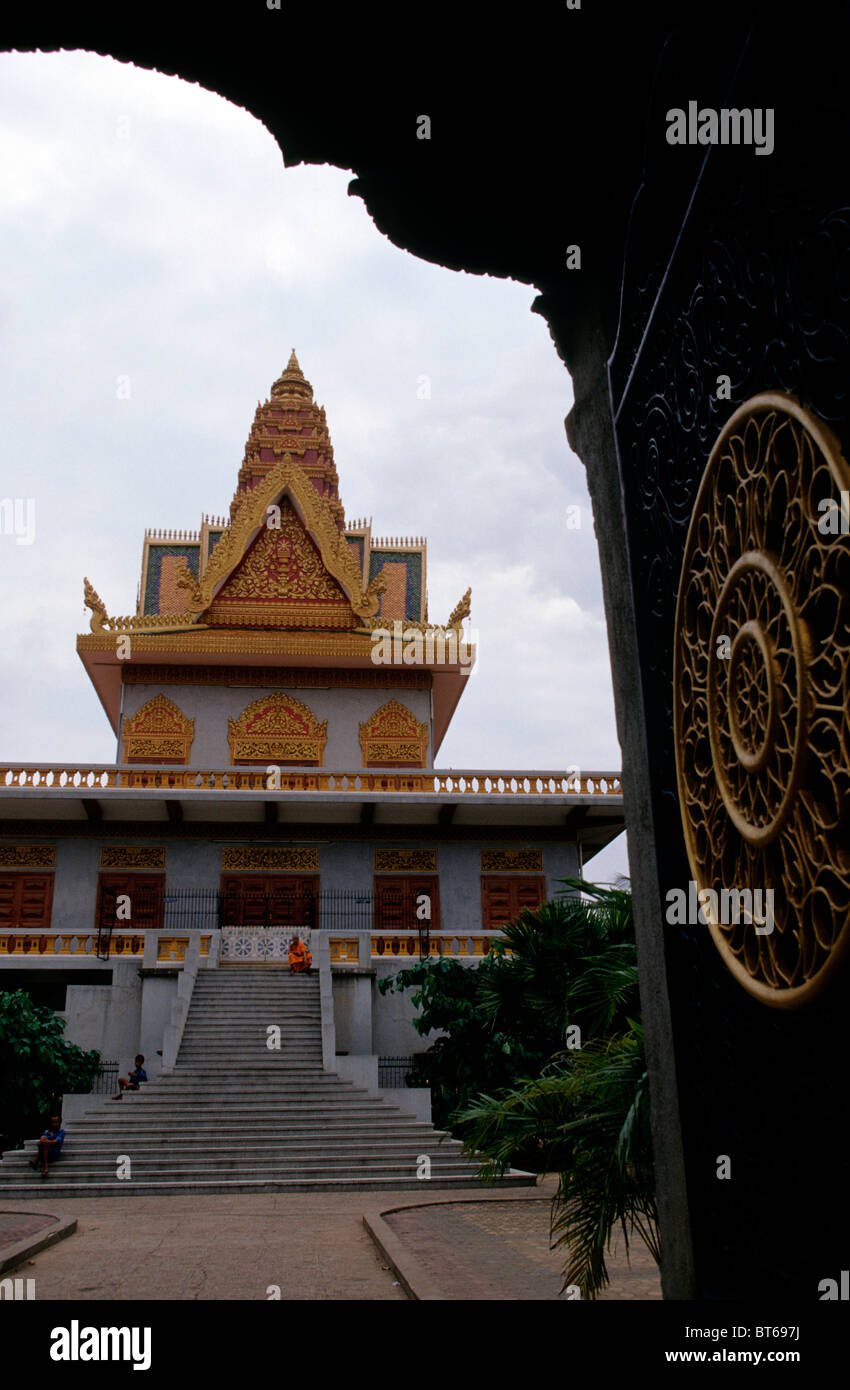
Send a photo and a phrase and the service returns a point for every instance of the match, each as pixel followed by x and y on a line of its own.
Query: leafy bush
pixel 37 1066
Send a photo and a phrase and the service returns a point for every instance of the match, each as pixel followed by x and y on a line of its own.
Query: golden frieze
pixel 27 856
pixel 528 861
pixel 280 857
pixel 761 709
pixel 406 861
pixel 277 728
pixel 133 857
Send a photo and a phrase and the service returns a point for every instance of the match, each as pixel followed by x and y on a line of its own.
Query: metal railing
pixel 394 1072
pixel 209 909
pixel 106 1081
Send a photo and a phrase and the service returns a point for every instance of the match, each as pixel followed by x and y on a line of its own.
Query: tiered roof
pixel 282 582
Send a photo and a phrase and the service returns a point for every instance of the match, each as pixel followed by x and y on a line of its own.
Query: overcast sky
pixel 149 231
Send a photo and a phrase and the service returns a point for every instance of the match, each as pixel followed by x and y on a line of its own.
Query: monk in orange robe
pixel 299 957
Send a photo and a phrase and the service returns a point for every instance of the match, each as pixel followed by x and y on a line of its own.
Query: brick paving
pixel 309 1245
pixel 500 1250
pixel 15 1225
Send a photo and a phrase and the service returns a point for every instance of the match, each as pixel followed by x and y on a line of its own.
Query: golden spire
pixel 292 382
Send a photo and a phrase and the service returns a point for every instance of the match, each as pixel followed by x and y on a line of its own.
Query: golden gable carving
pixel 393 735
pixel 158 731
pixel 277 729
pixel 283 574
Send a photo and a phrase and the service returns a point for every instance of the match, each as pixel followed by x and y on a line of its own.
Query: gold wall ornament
pixel 512 861
pixel 133 857
pixel 762 702
pixel 393 735
pixel 277 728
pixel 27 856
pixel 281 857
pixel 417 861
pixel 158 732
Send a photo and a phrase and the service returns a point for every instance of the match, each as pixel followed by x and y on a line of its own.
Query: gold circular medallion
pixel 761 699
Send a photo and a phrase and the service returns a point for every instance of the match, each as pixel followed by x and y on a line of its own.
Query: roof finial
pixel 292 381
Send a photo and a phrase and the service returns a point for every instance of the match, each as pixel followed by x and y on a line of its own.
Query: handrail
pixel 104 778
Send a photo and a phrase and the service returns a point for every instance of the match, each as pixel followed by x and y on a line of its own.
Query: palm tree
pixel 586 1117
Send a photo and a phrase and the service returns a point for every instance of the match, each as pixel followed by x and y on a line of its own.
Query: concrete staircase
pixel 238 1116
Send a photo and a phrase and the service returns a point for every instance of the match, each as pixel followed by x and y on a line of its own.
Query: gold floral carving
pixel 761 714
pixel 271 857
pixel 277 728
pixel 405 861
pixel 27 856
pixel 158 730
pixel 132 857
pixel 394 735
pixel 523 861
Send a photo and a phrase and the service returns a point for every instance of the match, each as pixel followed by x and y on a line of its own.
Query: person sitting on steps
pixel 132 1082
pixel 49 1145
pixel 300 959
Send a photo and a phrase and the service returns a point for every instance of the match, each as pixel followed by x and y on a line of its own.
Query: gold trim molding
pixel 512 861
pixel 761 718
pixel 396 861
pixel 277 728
pixel 275 857
pixel 376 678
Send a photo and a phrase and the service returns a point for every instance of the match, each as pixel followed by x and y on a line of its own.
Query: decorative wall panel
pixel 281 857
pixel 133 857
pixel 159 732
pixel 393 737
pixel 277 729
pixel 27 857
pixel 405 861
pixel 512 861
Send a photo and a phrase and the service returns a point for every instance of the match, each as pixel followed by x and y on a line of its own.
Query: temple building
pixel 278 699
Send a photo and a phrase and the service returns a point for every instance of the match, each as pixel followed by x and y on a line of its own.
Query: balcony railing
pixel 101 779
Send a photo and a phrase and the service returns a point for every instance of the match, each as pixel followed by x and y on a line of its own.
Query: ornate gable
pixel 281 581
pixel 277 729
pixel 393 737
pixel 159 732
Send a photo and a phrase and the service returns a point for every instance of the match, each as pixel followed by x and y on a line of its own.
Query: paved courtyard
pixel 309 1245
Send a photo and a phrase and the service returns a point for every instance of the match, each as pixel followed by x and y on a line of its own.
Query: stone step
pixel 88 1151
pixel 54 1187
pixel 210 1166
